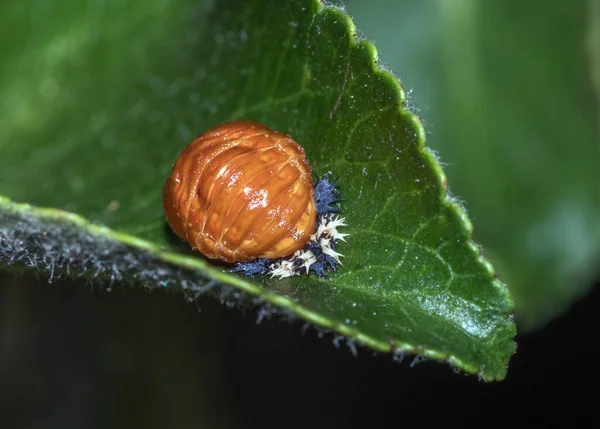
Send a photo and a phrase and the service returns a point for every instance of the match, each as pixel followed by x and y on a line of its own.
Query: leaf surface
pixel 103 101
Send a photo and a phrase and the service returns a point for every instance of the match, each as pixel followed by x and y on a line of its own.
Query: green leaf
pixel 512 110
pixel 101 103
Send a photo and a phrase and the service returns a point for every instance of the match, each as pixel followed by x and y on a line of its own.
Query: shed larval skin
pixel 242 191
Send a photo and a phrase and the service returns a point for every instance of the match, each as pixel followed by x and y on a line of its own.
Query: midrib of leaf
pixel 283 303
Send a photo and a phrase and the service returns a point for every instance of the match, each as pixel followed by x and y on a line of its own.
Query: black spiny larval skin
pixel 326 195
pixel 319 255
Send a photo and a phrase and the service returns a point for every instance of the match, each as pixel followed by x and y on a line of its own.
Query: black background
pixel 75 356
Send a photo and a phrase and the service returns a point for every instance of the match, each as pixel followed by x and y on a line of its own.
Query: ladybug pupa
pixel 244 194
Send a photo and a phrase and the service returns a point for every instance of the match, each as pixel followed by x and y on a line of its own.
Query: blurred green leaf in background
pixel 506 90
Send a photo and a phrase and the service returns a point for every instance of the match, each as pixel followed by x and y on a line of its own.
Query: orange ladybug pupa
pixel 240 192
pixel 244 194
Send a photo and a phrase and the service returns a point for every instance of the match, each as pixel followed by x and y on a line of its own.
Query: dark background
pixel 74 356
